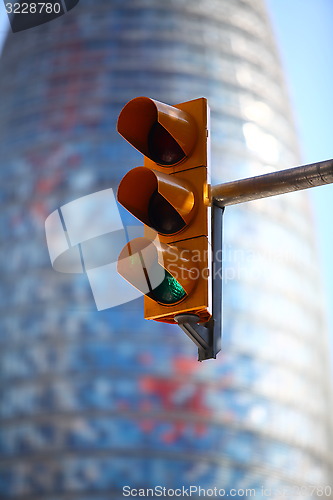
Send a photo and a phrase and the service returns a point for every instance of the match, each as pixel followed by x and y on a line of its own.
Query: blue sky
pixel 304 34
pixel 303 29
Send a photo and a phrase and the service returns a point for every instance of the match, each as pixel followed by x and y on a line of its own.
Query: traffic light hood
pixel 162 133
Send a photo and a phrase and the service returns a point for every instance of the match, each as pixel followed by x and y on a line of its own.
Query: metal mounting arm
pixel 263 186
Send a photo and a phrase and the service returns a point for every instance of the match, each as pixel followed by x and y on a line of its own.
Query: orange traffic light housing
pixel 170 195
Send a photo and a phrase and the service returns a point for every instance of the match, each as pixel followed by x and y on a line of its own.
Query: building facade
pixel 92 401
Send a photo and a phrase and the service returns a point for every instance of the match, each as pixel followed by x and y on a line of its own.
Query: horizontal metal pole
pixel 262 186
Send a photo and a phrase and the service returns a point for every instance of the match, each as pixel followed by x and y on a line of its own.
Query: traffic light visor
pixel 160 201
pixel 164 134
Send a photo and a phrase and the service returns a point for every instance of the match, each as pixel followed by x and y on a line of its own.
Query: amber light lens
pixel 163 149
pixel 162 215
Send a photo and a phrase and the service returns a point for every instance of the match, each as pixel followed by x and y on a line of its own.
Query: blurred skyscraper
pixel 93 401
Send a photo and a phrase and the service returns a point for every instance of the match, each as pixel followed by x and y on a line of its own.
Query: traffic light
pixel 170 194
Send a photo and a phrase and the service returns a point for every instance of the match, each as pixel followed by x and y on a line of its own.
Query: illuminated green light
pixel 169 291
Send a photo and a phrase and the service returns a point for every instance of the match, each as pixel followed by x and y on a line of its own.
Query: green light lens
pixel 169 291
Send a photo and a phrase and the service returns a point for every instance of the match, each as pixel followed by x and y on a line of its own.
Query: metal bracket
pixel 202 336
pixel 208 336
